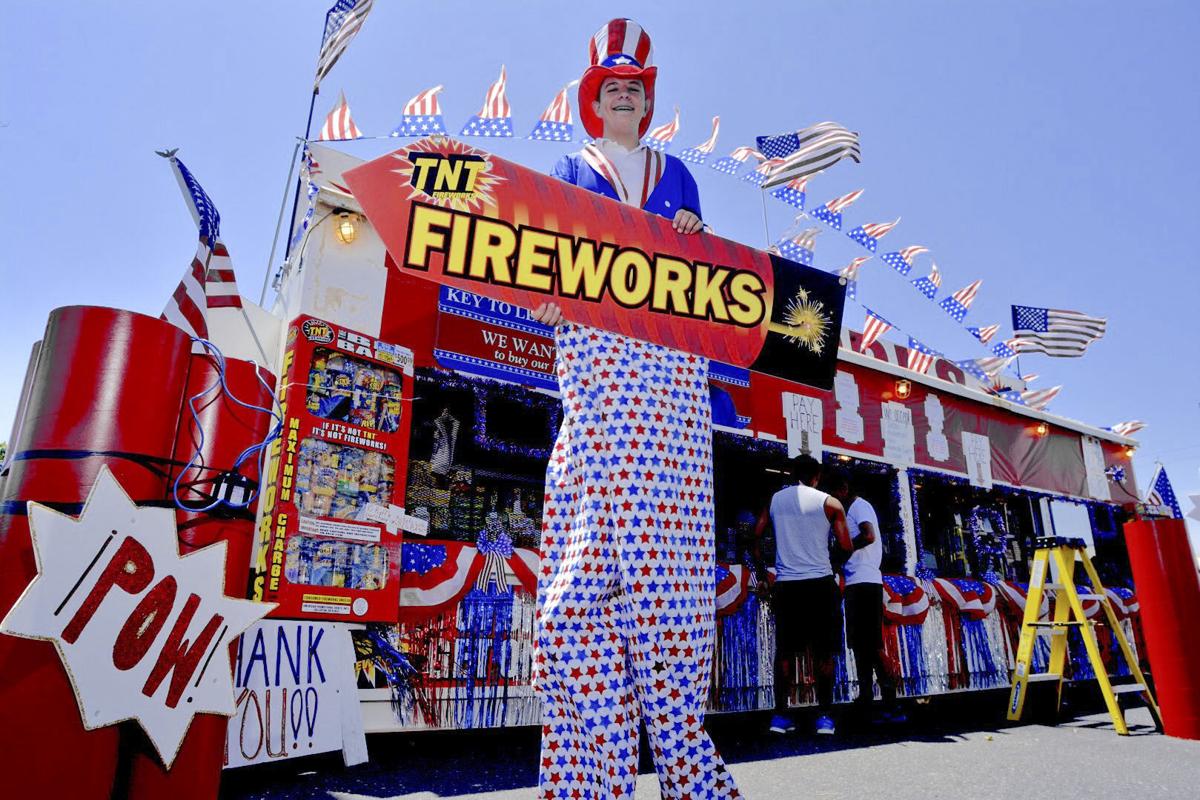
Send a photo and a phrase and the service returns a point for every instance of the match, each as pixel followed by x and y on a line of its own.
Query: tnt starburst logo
pixel 449 173
pixel 806 323
pixel 142 633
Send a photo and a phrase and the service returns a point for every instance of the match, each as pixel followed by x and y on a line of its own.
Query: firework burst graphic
pixel 482 192
pixel 806 323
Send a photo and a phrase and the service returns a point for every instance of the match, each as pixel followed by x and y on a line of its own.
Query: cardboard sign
pixel 977 450
pixel 805 418
pixel 1093 465
pixel 899 437
pixel 848 421
pixel 467 219
pixel 296 694
pixel 324 549
pixel 936 443
pixel 142 633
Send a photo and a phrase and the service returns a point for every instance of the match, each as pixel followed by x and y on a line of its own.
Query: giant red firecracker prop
pixel 227 430
pixel 1168 589
pixel 106 391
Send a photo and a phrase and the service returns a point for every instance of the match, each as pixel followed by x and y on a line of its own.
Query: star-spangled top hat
pixel 621 49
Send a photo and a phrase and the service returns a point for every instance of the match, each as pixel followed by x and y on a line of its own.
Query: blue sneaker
pixel 781 724
pixel 825 726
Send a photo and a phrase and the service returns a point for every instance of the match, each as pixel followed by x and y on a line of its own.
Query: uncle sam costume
pixel 626 589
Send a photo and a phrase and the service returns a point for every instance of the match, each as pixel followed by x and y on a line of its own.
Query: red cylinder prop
pixel 227 430
pixel 106 391
pixel 1168 590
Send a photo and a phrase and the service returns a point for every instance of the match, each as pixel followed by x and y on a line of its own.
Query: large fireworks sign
pixel 469 220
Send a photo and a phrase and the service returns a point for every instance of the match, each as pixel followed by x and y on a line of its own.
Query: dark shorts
pixel 808 616
pixel 864 615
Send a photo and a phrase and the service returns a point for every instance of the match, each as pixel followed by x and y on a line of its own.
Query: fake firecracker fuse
pixel 467 219
pixel 332 517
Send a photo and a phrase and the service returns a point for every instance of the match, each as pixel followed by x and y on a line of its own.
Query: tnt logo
pixel 446 177
pixel 317 331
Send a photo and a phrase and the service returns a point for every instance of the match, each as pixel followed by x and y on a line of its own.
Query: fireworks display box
pixel 331 512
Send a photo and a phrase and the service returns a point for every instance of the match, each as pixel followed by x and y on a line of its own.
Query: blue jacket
pixel 676 188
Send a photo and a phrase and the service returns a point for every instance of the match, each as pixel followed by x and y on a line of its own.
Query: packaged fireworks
pixel 328 547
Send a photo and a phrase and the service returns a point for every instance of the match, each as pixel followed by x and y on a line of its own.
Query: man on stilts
pixel 626 591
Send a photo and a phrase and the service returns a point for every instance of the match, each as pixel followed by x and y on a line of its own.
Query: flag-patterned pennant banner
pixel 957 304
pixel 902 260
pixel 985 333
pixel 792 192
pixel 849 276
pixel 800 247
pixel 422 115
pixel 700 153
pixel 920 356
pixel 339 125
pixel 831 212
pixel 928 285
pixel 808 151
pixel 869 235
pixel 730 164
pixel 1040 398
pixel 1128 428
pixel 658 138
pixel 555 124
pixel 759 173
pixel 874 327
pixel 972 367
pixel 495 118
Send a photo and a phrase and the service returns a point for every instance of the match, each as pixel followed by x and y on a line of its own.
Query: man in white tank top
pixel 806 600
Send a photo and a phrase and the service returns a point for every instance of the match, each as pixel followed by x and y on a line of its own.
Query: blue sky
pixel 1045 147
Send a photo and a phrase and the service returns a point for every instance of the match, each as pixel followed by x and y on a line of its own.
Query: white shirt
pixel 863 565
pixel 801 534
pixel 631 168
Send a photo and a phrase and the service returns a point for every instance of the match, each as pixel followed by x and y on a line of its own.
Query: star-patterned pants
pixel 626 601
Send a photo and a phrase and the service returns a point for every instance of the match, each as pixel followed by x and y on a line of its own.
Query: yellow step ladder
pixel 1068 613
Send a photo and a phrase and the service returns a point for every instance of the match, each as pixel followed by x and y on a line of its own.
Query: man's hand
pixel 686 222
pixel 548 314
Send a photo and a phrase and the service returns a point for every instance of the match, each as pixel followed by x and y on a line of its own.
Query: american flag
pixel 555 124
pixel 658 138
pixel 1054 331
pixel 495 118
pixel 700 153
pixel 902 260
pixel 1040 398
pixel 869 235
pixel 339 125
pixel 209 281
pixel 831 212
pixel 759 174
pixel 308 173
pixel 928 286
pixel 792 192
pixel 799 247
pixel 1128 428
pixel 874 327
pixel 985 333
pixel 731 163
pixel 342 23
pixel 920 356
pixel 957 304
pixel 808 151
pixel 1162 494
pixel 422 115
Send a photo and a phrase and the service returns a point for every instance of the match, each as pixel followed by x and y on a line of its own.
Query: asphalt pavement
pixel 956 746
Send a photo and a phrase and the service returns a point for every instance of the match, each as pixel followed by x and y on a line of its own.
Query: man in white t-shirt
pixel 863 594
pixel 808 610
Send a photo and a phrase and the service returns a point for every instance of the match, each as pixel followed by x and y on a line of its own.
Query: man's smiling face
pixel 621 104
